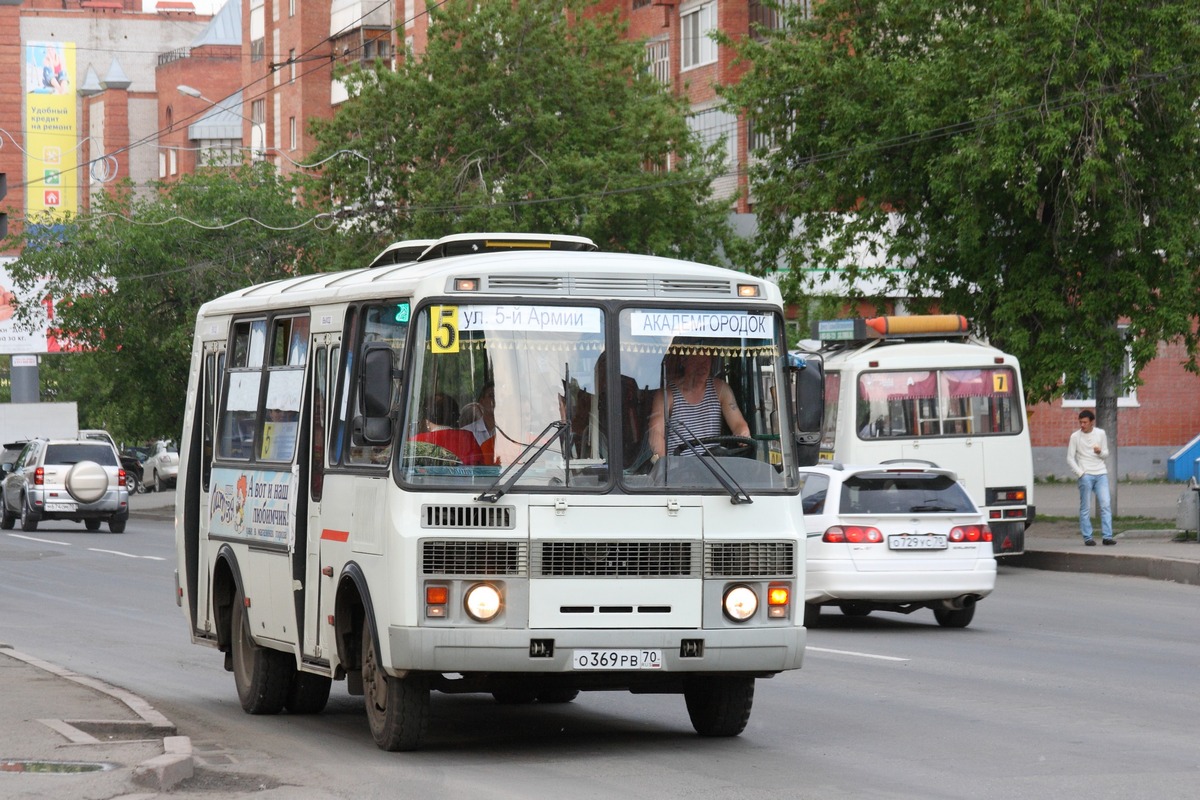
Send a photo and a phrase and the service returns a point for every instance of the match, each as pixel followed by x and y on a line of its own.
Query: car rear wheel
pixel 719 706
pixel 7 518
pixel 954 617
pixel 132 484
pixel 854 610
pixel 115 525
pixel 397 708
pixel 92 524
pixel 263 676
pixel 29 520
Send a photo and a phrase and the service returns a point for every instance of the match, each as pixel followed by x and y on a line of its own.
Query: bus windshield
pixel 530 393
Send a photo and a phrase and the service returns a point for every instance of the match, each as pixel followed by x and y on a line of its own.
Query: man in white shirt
pixel 1086 453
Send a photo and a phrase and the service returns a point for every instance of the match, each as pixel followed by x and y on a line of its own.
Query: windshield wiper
pixel 501 486
pixel 737 495
pixel 932 507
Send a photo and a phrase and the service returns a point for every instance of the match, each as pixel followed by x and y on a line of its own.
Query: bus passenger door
pixel 323 358
pixel 198 491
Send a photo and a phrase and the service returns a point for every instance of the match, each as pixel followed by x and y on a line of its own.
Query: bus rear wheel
pixel 719 706
pixel 263 676
pixel 308 693
pixel 397 708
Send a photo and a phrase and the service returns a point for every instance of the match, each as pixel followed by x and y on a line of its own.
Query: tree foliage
pixel 129 275
pixel 1034 165
pixel 531 115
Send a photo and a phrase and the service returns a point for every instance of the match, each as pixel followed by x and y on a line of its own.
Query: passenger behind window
pixel 441 415
pixel 479 418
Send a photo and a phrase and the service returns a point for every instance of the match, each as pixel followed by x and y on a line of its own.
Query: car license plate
pixel 927 541
pixel 617 659
pixel 60 506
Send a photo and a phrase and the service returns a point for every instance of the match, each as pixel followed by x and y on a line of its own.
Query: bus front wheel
pixel 263 676
pixel 719 705
pixel 397 708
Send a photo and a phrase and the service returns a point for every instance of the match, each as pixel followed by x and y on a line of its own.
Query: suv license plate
pixel 617 659
pixel 928 541
pixel 60 506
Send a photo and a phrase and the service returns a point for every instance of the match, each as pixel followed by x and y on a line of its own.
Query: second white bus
pixel 919 388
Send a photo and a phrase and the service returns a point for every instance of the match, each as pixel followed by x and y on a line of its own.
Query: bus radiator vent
pixel 474 557
pixel 749 559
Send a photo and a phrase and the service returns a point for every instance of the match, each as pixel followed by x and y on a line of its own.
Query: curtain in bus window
pixel 281 417
pixel 898 404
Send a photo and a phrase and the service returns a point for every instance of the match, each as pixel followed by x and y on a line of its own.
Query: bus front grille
pixel 462 517
pixel 474 557
pixel 749 559
pixel 615 559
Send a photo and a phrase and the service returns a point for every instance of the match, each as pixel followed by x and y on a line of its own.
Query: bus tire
pixel 262 675
pixel 397 708
pixel 719 706
pixel 557 695
pixel 308 693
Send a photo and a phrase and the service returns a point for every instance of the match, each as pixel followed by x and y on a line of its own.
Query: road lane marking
pixel 35 539
pixel 125 555
pixel 853 653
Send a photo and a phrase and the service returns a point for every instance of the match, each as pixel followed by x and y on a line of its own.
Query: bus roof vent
pixel 611 284
pixel 532 284
pixel 679 286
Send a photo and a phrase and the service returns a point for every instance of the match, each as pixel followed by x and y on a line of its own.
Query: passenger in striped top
pixel 695 398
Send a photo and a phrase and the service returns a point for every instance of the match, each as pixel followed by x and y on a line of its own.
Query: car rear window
pixel 74 453
pixel 915 493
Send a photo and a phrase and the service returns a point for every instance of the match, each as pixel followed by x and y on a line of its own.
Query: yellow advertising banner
pixel 51 131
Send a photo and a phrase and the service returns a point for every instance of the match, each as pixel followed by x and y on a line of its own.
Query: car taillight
pixel 39 477
pixel 120 477
pixel 971 533
pixel 852 534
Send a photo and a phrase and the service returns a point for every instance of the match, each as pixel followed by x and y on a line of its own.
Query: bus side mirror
pixel 375 388
pixel 808 392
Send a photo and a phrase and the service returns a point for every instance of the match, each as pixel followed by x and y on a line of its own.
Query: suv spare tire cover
pixel 87 482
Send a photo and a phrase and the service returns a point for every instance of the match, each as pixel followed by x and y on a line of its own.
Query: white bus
pixel 434 475
pixel 920 388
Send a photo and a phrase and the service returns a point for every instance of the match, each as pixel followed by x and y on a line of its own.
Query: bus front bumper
pixel 765 650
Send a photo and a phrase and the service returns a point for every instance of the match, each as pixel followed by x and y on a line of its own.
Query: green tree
pixel 129 275
pixel 1032 164
pixel 531 115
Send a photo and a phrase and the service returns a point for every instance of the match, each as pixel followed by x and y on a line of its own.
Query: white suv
pixel 66 479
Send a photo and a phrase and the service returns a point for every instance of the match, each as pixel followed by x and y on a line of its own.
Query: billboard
pixel 17 338
pixel 51 131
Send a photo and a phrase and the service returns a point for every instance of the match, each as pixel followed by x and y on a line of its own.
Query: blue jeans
pixel 1098 484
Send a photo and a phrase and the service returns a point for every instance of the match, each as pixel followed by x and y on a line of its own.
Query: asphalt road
pixel 1065 685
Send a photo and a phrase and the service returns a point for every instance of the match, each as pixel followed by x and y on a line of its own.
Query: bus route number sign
pixel 617 659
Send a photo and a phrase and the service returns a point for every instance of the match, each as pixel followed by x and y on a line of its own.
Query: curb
pixel 1156 568
pixel 161 772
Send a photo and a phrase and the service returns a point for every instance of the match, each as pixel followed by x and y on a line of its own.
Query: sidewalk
pixel 1057 545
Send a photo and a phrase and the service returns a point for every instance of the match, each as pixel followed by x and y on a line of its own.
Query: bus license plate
pixel 929 541
pixel 60 506
pixel 617 659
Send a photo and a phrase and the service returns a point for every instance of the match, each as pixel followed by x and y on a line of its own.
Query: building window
pixel 292 64
pixel 1079 398
pixel 291 133
pixel 173 156
pixel 712 124
pixel 291 8
pixel 162 165
pixel 658 60
pixel 696 46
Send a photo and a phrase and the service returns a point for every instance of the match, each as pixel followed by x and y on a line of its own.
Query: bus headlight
pixel 740 603
pixel 483 602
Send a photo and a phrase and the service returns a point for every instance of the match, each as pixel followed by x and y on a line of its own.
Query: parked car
pixel 162 467
pixel 894 537
pixel 9 454
pixel 132 462
pixel 66 479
